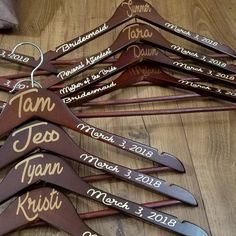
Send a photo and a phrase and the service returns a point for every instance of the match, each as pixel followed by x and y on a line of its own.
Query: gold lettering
pixel 133 9
pixel 38 138
pixel 26 105
pixel 31 208
pixel 143 52
pixel 30 171
pixel 135 32
pixel 144 70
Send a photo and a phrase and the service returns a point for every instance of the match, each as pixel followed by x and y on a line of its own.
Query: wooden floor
pixel 205 143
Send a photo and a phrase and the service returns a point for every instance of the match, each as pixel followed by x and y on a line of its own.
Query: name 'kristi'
pixel 31 207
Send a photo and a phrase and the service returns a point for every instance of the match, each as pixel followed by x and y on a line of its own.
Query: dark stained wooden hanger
pixel 25 74
pixel 112 212
pixel 45 204
pixel 125 41
pixel 24 60
pixel 129 35
pixel 136 54
pixel 140 9
pixel 155 76
pixel 43 104
pixel 63 176
pixel 54 139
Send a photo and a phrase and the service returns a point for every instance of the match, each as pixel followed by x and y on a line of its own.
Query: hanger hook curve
pixel 33 71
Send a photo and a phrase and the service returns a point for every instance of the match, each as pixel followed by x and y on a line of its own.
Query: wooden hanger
pixel 64 176
pixel 54 139
pixel 129 35
pixel 43 104
pixel 124 41
pixel 45 204
pixel 150 72
pixel 137 53
pixel 25 60
pixel 112 212
pixel 74 61
pixel 140 9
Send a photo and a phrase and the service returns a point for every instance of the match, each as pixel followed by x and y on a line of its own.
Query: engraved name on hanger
pixel 31 208
pixel 144 70
pixel 38 138
pixel 144 52
pixel 29 106
pixel 135 32
pixel 31 170
pixel 133 9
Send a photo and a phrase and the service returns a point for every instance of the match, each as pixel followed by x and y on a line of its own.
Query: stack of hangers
pixel 35 118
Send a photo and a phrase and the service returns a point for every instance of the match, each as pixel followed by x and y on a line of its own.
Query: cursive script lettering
pixel 107 71
pixel 98 163
pixel 133 9
pixel 75 43
pixel 37 138
pixel 93 59
pixel 26 105
pixel 95 134
pixel 88 93
pixel 107 200
pixel 87 233
pixel 184 51
pixel 178 29
pixel 31 208
pixel 73 87
pixel 143 52
pixel 135 32
pixel 187 67
pixel 30 171
pixel 65 74
pixel 144 70
pixel 195 85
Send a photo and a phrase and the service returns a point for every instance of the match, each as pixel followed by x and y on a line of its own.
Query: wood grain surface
pixel 205 143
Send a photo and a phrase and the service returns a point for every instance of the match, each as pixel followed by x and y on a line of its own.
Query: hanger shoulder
pixel 66 178
pixel 46 204
pixel 51 138
pixel 48 106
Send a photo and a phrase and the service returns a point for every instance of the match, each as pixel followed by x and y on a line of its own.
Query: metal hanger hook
pixel 33 71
